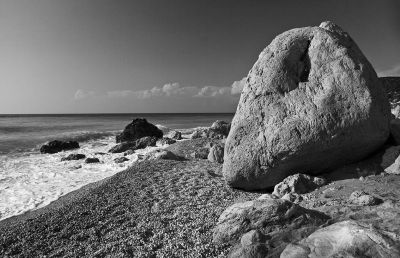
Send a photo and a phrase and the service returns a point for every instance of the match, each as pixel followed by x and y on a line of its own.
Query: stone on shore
pixel 346 239
pixel 312 102
pixel 364 199
pixel 221 127
pixel 138 144
pixel 267 215
pixel 216 154
pixel 120 160
pixel 176 135
pixel 298 184
pixel 165 141
pixel 137 129
pixel 162 154
pixel 201 153
pixel 92 160
pixel 57 146
pixel 392 88
pixel 75 156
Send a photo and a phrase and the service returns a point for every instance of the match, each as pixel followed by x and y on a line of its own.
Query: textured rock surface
pixel 266 215
pixel 312 102
pixel 120 160
pixel 138 144
pixel 299 184
pixel 165 141
pixel 363 198
pixel 57 146
pixel 346 239
pixel 74 156
pixel 216 154
pixel 137 129
pixel 176 135
pixel 201 153
pixel 162 154
pixel 392 88
pixel 390 161
pixel 221 127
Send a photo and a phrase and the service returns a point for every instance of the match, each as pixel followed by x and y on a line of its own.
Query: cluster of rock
pixel 218 130
pixel 57 146
pixel 312 103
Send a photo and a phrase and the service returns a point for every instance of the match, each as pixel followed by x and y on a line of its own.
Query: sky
pixel 147 56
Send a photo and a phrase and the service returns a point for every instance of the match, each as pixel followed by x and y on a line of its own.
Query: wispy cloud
pixel 169 90
pixel 83 94
pixel 394 71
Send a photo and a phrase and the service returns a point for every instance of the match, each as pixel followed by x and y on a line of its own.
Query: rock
pixel 250 251
pixel 292 197
pixel 363 199
pixel 216 154
pixel 92 160
pixel 252 237
pixel 392 88
pixel 138 144
pixel 312 102
pixel 76 156
pixel 395 167
pixel 390 160
pixel 395 130
pixel 120 160
pixel 57 146
pixel 266 215
pixel 187 148
pixel 199 133
pixel 138 129
pixel 221 127
pixel 176 135
pixel 201 153
pixel 165 141
pixel 129 152
pixel 346 239
pixel 299 184
pixel 162 154
pixel 396 112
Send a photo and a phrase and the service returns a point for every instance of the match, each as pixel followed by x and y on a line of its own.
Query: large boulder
pixel 311 103
pixel 139 128
pixel 57 146
pixel 346 239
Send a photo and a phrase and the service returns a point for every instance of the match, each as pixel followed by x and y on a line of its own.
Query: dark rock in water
pixel 165 141
pixel 176 135
pixel 299 184
pixel 201 153
pixel 216 154
pixel 92 160
pixel 120 160
pixel 76 156
pixel 221 127
pixel 312 102
pixel 57 146
pixel 138 144
pixel 139 128
pixel 346 239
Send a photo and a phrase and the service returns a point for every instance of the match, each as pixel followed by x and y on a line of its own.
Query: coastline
pixel 136 212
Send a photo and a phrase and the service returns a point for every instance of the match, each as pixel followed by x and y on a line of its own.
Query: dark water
pixel 19 133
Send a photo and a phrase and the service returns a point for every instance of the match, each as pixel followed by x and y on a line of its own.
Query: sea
pixel 30 180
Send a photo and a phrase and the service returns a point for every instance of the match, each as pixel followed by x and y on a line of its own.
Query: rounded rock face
pixel 311 103
pixel 137 129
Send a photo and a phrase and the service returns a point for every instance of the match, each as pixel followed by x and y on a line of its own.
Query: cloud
pixel 237 86
pixel 83 94
pixel 212 91
pixel 394 71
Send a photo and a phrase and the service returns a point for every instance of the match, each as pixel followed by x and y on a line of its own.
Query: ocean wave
pixel 81 136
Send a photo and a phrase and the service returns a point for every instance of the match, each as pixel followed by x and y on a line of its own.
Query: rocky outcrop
pixel 201 153
pixel 137 129
pixel 221 127
pixel 392 88
pixel 57 146
pixel 364 199
pixel 267 215
pixel 120 160
pixel 176 135
pixel 311 103
pixel 346 239
pixel 165 141
pixel 162 154
pixel 75 156
pixel 92 160
pixel 138 144
pixel 299 184
pixel 216 154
